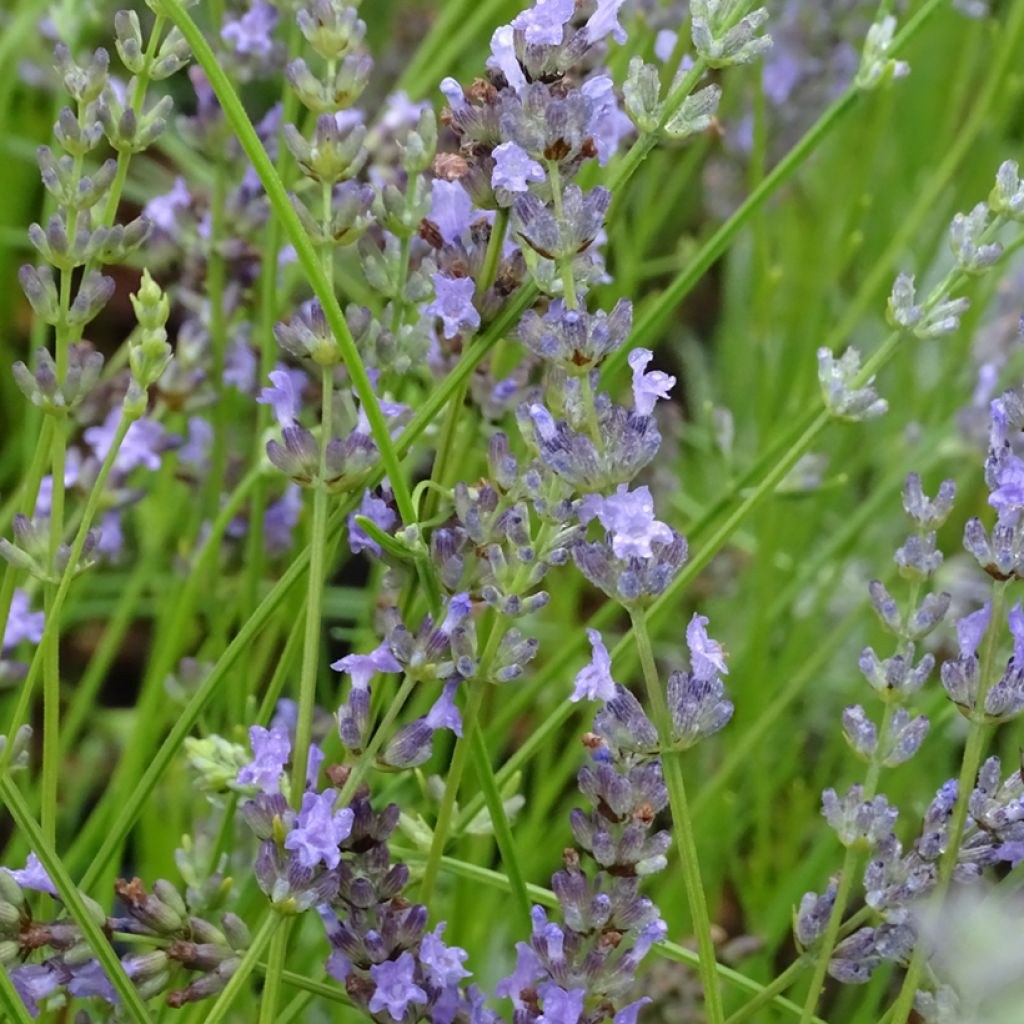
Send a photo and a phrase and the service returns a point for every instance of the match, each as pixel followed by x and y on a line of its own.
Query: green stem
pixel 314 598
pixel 446 812
pixel 847 875
pixel 276 956
pixel 282 208
pixel 72 899
pixel 492 258
pixel 261 939
pixel 973 752
pixel 564 263
pixel 51 627
pixel 682 823
pixel 502 829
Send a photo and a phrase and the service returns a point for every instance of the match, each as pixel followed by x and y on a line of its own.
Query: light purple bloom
pixel 250 35
pixel 451 208
pixel 378 511
pixel 1017 629
pixel 22 624
pixel 88 980
pixel 628 1014
pixel 528 970
pixel 111 542
pixel 707 658
pixel 319 829
pixel 545 22
pixel 665 44
pixel 560 1006
pixel 594 681
pixel 400 112
pixel 445 713
pixel 545 424
pixel 605 21
pixel 503 57
pixel 971 628
pixel 241 367
pixel 514 169
pixel 195 452
pixel 443 964
pixel 629 519
pixel 32 876
pixel 454 304
pixel 1008 495
pixel 163 211
pixel 142 445
pixel 271 749
pixel 459 606
pixel 609 124
pixel 34 982
pixel 72 467
pixel 280 520
pixel 648 387
pixel 285 396
pixel 363 667
pixel 396 988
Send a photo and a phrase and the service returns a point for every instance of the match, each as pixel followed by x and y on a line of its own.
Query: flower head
pixel 629 519
pixel 647 387
pixel 396 988
pixel 594 681
pixel 453 303
pixel 319 829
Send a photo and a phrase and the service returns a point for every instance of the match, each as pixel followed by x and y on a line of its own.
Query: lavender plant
pixel 350 562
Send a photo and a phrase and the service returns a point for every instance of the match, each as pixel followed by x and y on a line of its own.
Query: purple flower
pixel 280 520
pixel 32 876
pixel 594 681
pixel 628 1014
pixel 706 655
pixel 560 1006
pixel 250 34
pixel 514 169
pixel 629 519
pixel 1008 495
pixel 319 829
pixel 1017 629
pixel 971 628
pixel 396 988
pixel 363 667
pixel 271 749
pixel 528 970
pixel 605 21
pixel 195 452
pixel 445 713
pixel 648 387
pixel 609 124
pixel 377 510
pixel 241 367
pixel 451 209
pixel 503 57
pixel 545 22
pixel 34 982
pixel 454 304
pixel 89 979
pixel 285 397
pixel 163 211
pixel 459 606
pixel 443 964
pixel 142 445
pixel 22 624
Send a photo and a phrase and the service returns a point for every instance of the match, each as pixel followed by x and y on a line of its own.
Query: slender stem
pixel 502 829
pixel 276 956
pixel 774 988
pixel 492 258
pixel 682 823
pixel 564 263
pixel 446 812
pixel 314 598
pixel 847 875
pixel 51 627
pixel 973 752
pixel 72 899
pixel 220 1009
pixel 305 251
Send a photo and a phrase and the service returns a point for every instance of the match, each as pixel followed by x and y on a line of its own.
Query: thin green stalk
pixel 446 812
pixel 682 823
pixel 502 829
pixel 220 1009
pixel 492 257
pixel 847 875
pixel 71 898
pixel 276 956
pixel 655 315
pixel 51 627
pixel 281 206
pixel 314 599
pixel 774 988
pixel 974 750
